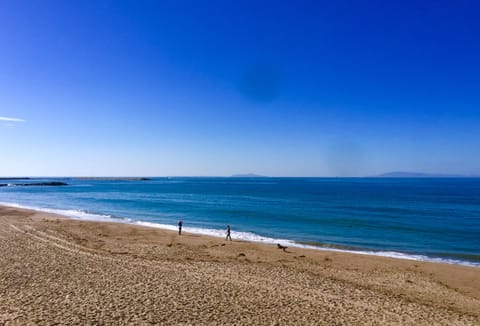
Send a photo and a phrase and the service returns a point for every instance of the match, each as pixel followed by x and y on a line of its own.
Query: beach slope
pixel 58 270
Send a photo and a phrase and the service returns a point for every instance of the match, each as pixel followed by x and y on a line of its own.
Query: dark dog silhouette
pixel 279 246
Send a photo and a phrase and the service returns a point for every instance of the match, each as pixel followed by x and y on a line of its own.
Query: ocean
pixel 431 219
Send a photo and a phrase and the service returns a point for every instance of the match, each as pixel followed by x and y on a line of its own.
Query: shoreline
pixel 57 269
pixel 245 236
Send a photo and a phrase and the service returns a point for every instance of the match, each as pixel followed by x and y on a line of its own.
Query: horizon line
pixel 380 176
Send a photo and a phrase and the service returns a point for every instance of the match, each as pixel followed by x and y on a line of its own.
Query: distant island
pixel 248 175
pixel 399 174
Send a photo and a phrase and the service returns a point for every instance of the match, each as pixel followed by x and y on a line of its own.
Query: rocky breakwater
pixel 50 183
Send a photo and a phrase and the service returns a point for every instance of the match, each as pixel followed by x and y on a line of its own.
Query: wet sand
pixel 55 270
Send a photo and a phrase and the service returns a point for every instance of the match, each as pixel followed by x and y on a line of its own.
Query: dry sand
pixel 55 270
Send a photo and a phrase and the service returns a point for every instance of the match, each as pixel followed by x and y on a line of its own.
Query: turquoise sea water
pixel 425 218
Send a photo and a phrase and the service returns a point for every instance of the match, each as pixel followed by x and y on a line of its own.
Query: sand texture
pixel 55 270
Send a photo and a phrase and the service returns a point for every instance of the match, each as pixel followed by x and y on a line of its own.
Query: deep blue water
pixel 438 218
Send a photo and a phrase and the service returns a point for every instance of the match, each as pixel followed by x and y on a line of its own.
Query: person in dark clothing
pixel 180 223
pixel 228 233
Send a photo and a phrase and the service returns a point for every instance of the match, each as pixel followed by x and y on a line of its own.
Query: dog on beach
pixel 279 246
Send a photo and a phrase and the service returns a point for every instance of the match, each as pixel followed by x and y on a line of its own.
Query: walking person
pixel 228 233
pixel 180 223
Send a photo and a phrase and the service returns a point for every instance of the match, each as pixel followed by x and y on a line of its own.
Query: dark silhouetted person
pixel 180 223
pixel 228 233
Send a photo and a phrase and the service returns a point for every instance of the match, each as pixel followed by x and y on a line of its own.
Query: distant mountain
pixel 248 175
pixel 421 175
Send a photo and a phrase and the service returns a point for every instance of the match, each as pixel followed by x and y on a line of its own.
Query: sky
pixel 214 88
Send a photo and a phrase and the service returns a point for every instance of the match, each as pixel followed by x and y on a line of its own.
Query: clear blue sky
pixel 293 88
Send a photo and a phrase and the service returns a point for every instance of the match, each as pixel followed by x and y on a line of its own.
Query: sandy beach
pixel 55 270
